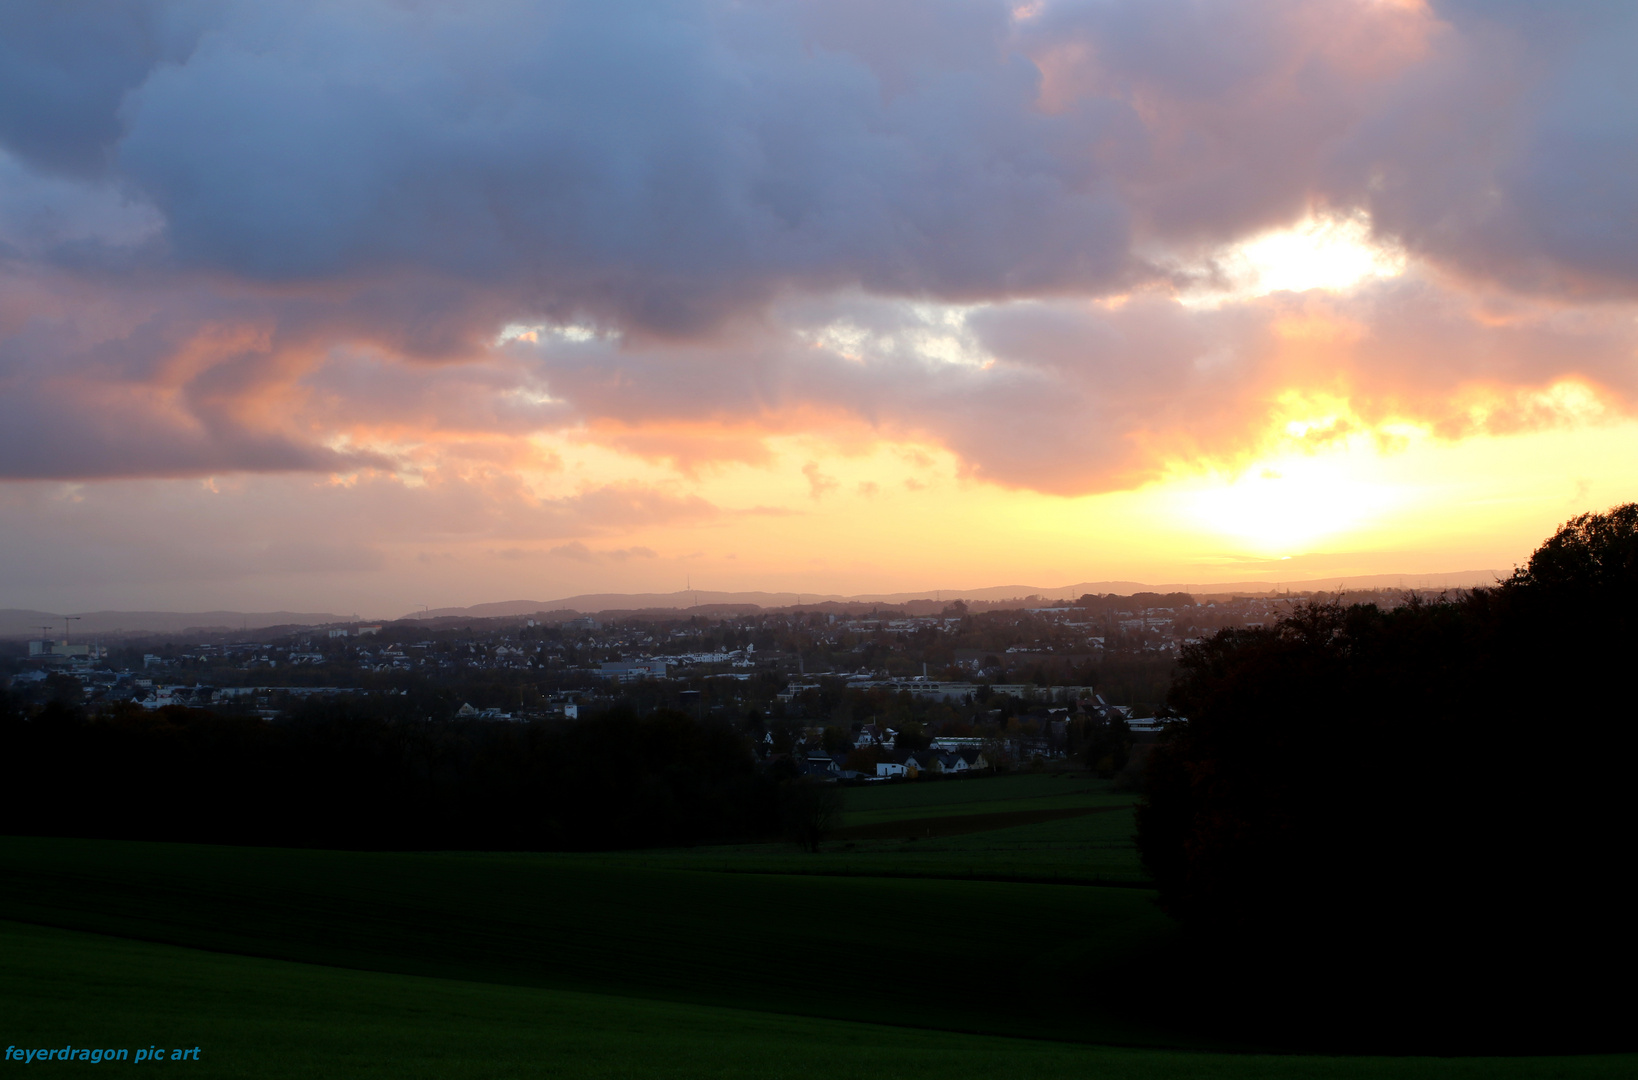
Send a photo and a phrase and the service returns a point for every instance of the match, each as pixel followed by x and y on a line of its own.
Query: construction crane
pixel 66 620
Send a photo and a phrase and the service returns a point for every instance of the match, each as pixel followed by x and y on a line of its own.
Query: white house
pixel 920 761
pixel 632 670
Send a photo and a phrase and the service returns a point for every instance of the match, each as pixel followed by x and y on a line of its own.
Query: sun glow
pixel 1285 505
pixel 1333 252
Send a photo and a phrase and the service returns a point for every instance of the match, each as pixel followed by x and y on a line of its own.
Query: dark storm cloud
pixel 65 69
pixel 657 164
pixel 207 205
pixel 1509 154
pixel 662 163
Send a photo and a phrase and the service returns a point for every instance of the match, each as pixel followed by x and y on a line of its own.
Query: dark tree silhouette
pixel 1108 744
pixel 809 810
pixel 1371 814
pixel 347 773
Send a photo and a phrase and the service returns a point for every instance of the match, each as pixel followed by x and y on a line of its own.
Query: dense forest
pixel 1419 814
pixel 337 775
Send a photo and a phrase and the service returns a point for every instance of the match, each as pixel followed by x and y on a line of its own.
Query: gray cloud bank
pixel 210 211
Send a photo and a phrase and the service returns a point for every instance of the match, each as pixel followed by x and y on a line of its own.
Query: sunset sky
pixel 360 306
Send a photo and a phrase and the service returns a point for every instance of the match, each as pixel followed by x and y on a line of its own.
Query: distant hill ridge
pixel 24 623
pixel 591 603
pixel 27 623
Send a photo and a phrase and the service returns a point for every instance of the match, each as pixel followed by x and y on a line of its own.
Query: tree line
pixel 1415 822
pixel 339 773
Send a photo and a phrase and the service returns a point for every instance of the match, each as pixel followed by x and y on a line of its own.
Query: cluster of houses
pixel 906 763
pixel 875 757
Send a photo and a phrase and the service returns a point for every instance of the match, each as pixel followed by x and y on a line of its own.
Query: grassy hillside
pixel 900 957
pixel 257 1018
pixel 1002 957
pixel 1091 849
pixel 966 828
pixel 977 795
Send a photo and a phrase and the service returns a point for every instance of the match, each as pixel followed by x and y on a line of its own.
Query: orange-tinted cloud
pixel 537 273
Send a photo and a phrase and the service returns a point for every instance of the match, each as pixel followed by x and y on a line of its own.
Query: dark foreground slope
pixel 257 1018
pixel 1052 961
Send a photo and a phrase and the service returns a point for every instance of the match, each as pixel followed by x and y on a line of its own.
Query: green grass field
pixel 812 945
pixel 992 953
pixel 977 795
pixel 1095 849
pixel 272 1019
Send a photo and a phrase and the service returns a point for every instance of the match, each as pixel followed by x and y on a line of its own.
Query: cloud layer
pixel 402 239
